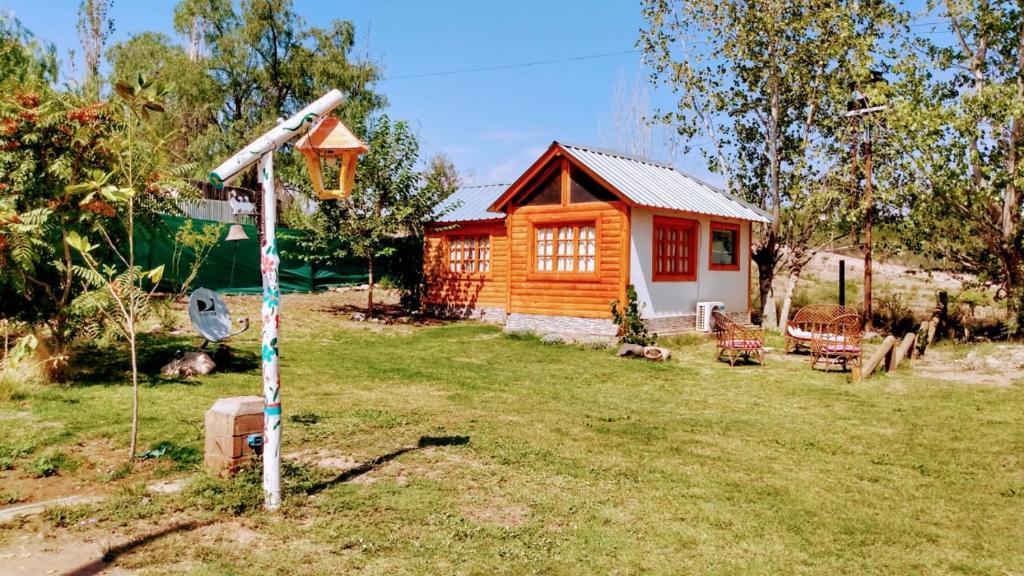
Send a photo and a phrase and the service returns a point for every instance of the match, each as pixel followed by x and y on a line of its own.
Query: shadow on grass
pixel 100 565
pixel 104 365
pixel 373 464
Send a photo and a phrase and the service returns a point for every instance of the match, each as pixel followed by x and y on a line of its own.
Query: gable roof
pixel 470 203
pixel 642 182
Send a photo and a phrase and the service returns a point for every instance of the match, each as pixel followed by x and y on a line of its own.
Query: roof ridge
pixel 617 154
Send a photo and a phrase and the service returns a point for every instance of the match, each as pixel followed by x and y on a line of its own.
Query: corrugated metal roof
pixel 648 183
pixel 470 203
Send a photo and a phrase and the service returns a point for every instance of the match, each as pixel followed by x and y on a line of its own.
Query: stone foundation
pixel 568 327
pixel 484 314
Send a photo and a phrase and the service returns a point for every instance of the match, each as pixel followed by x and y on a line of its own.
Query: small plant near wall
pixel 631 327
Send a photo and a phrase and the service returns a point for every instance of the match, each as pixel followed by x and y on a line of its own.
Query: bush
pixel 52 464
pixel 892 314
pixel 631 328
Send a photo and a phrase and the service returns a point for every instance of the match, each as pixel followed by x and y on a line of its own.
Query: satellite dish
pixel 209 315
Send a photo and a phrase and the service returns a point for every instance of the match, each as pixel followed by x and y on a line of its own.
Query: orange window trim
pixel 554 273
pixel 448 238
pixel 724 226
pixel 660 250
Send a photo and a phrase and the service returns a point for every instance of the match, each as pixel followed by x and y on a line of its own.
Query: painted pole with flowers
pixel 261 152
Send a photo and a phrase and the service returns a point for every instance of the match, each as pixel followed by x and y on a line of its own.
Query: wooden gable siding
pixel 445 288
pixel 586 295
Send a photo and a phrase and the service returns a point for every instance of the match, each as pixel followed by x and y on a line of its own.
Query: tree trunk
pixel 787 299
pixel 135 391
pixel 369 297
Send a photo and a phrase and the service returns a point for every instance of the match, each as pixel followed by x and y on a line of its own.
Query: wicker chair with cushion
pixel 839 344
pixel 735 341
pixel 810 320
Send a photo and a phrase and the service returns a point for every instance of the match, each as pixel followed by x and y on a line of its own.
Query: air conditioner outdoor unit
pixel 704 314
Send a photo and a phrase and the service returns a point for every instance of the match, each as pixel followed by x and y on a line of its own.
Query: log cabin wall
pixel 586 294
pixel 552 269
pixel 478 294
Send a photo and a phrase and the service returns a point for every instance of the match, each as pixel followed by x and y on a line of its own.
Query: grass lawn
pixel 487 454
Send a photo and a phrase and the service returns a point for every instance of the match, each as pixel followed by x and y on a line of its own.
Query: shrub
pixel 631 328
pixel 52 464
pixel 241 494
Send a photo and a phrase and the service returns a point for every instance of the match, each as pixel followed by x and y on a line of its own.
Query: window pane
pixel 547 193
pixel 485 254
pixel 723 247
pixel 587 248
pixel 583 188
pixel 545 248
pixel 565 249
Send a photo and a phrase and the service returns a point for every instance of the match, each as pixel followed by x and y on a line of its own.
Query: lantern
pixel 331 140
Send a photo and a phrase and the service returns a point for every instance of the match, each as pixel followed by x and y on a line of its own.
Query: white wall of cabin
pixel 666 299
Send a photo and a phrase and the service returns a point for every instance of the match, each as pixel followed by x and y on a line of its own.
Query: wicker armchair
pixel 839 344
pixel 735 341
pixel 810 320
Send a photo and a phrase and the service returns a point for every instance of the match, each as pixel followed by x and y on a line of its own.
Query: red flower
pixel 100 207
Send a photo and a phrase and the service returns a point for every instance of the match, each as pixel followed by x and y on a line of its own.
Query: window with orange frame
pixel 724 247
pixel 675 249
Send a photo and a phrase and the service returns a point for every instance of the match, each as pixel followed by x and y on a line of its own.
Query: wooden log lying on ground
pixel 876 359
pixel 904 350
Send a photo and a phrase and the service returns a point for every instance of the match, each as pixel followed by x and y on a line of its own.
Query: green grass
pixel 502 455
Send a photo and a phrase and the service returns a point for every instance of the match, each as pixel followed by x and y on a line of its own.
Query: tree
pixel 22 58
pixel 141 171
pixel 391 200
pixel 767 89
pixel 94 28
pixel 48 140
pixel 253 63
pixel 957 125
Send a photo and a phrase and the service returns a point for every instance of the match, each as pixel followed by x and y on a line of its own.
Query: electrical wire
pixel 513 66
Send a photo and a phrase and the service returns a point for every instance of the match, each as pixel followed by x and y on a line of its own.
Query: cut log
pixel 876 359
pixel 903 351
pixel 630 350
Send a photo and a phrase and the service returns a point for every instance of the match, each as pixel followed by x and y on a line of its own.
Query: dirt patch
pixel 498 513
pixel 1002 366
pixel 61 553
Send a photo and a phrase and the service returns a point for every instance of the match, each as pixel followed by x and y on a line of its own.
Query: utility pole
pixel 856 108
pixel 869 218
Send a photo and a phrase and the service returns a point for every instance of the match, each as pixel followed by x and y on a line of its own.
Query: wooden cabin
pixel 552 250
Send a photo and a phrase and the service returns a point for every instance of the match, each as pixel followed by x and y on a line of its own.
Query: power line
pixel 512 66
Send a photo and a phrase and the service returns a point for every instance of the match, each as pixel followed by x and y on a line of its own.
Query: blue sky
pixel 492 124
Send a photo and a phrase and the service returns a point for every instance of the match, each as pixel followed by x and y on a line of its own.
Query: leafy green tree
pixel 48 140
pixel 957 138
pixel 259 62
pixel 767 88
pixel 391 200
pixel 22 57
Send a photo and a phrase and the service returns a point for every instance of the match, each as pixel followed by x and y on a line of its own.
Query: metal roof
pixel 651 184
pixel 470 203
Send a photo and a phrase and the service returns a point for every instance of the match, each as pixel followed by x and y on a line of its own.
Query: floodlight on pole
pixel 261 152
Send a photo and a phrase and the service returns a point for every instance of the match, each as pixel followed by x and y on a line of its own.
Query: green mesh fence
pixel 234 267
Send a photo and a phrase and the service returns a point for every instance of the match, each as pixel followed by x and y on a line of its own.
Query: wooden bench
pixel 735 341
pixel 810 320
pixel 839 344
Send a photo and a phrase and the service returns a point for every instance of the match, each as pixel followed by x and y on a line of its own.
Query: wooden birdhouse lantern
pixel 331 141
